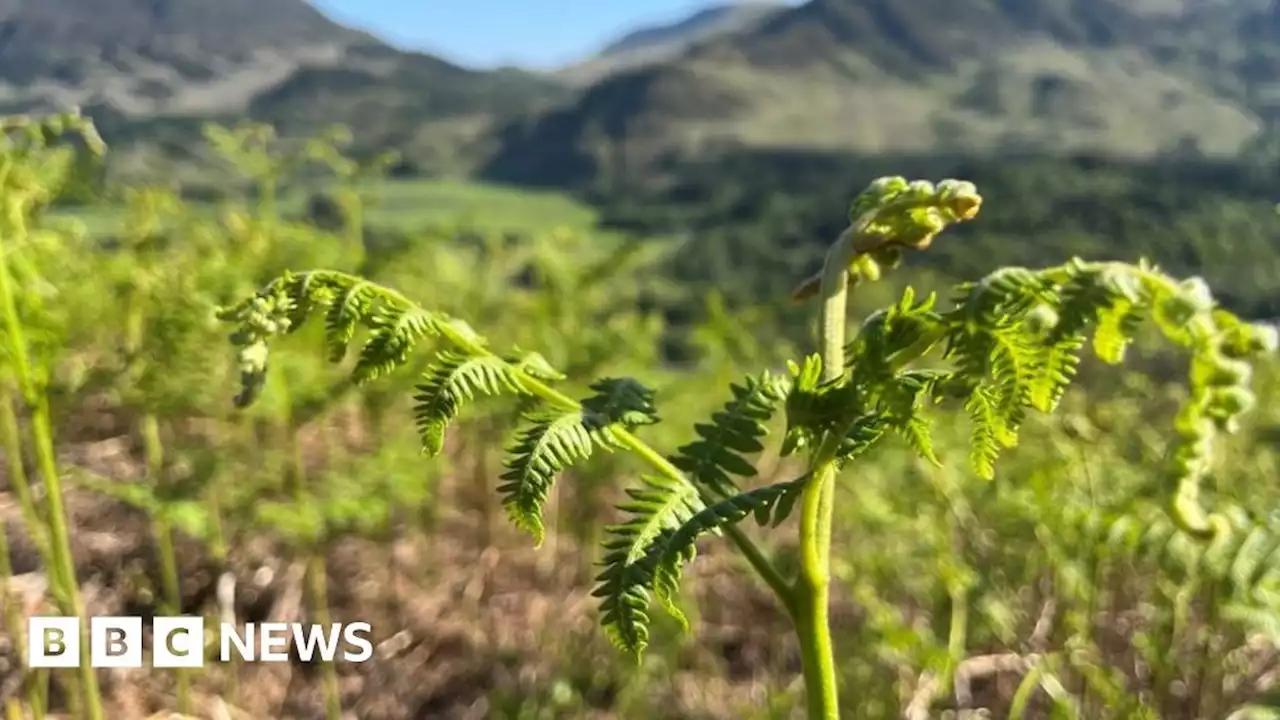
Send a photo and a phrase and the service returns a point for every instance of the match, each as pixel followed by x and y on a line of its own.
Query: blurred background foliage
pixel 1058 590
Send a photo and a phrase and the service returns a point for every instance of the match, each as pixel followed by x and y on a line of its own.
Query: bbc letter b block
pixel 116 642
pixel 177 642
pixel 53 642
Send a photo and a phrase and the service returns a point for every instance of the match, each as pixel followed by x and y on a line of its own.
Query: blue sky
pixel 487 33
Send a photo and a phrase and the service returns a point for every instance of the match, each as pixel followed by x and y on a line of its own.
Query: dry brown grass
pixel 457 627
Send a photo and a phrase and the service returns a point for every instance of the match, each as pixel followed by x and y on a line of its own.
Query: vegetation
pixel 875 77
pixel 1119 561
pixel 1134 79
pixel 754 213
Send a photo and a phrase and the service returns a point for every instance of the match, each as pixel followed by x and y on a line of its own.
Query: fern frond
pixel 665 504
pixel 1257 555
pixel 891 338
pixel 344 314
pixel 810 411
pixel 1085 291
pixel 1013 374
pixel 668 558
pixel 346 303
pixel 541 452
pixel 393 336
pixel 660 506
pixel 1016 337
pixel 622 400
pixel 864 432
pixel 647 554
pixel 902 403
pixel 554 442
pixel 734 431
pixel 451 380
pixel 1117 326
pixel 984 443
pixel 1056 367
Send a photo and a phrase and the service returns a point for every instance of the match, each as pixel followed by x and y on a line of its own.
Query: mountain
pixel 157 69
pixel 656 43
pixel 699 26
pixel 159 56
pixel 1123 77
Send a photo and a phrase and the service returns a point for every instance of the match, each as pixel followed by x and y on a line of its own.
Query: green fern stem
pixel 1208 679
pixel 153 452
pixel 835 300
pixel 62 573
pixel 810 597
pixel 11 441
pixel 13 625
pixel 218 550
pixel 316 578
pixel 162 529
pixel 318 589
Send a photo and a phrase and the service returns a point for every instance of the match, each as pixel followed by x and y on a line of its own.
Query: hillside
pixel 156 69
pixel 653 44
pixel 1124 77
pixel 877 76
pixel 165 57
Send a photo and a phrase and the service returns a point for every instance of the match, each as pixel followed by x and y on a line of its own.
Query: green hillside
pixel 876 76
pixel 867 76
pixel 152 72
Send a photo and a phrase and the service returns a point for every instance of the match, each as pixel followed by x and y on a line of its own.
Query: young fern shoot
pixel 1011 342
pixel 37 166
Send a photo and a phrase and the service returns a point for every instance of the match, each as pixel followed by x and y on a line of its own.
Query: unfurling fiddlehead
pixel 1010 343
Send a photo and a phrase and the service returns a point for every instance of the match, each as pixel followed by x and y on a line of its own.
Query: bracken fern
pixel 1009 343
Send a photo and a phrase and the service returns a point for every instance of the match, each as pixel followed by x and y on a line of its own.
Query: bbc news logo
pixel 179 642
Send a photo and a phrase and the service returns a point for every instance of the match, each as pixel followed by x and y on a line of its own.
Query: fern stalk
pixel 1207 682
pixel 62 574
pixel 153 453
pixel 318 589
pixel 810 596
pixel 218 551
pixel 162 529
pixel 10 440
pixel 13 623
pixel 316 580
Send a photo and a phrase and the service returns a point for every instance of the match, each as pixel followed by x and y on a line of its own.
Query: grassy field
pixel 412 205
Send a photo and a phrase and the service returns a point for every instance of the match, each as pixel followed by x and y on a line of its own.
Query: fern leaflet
pixel 453 379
